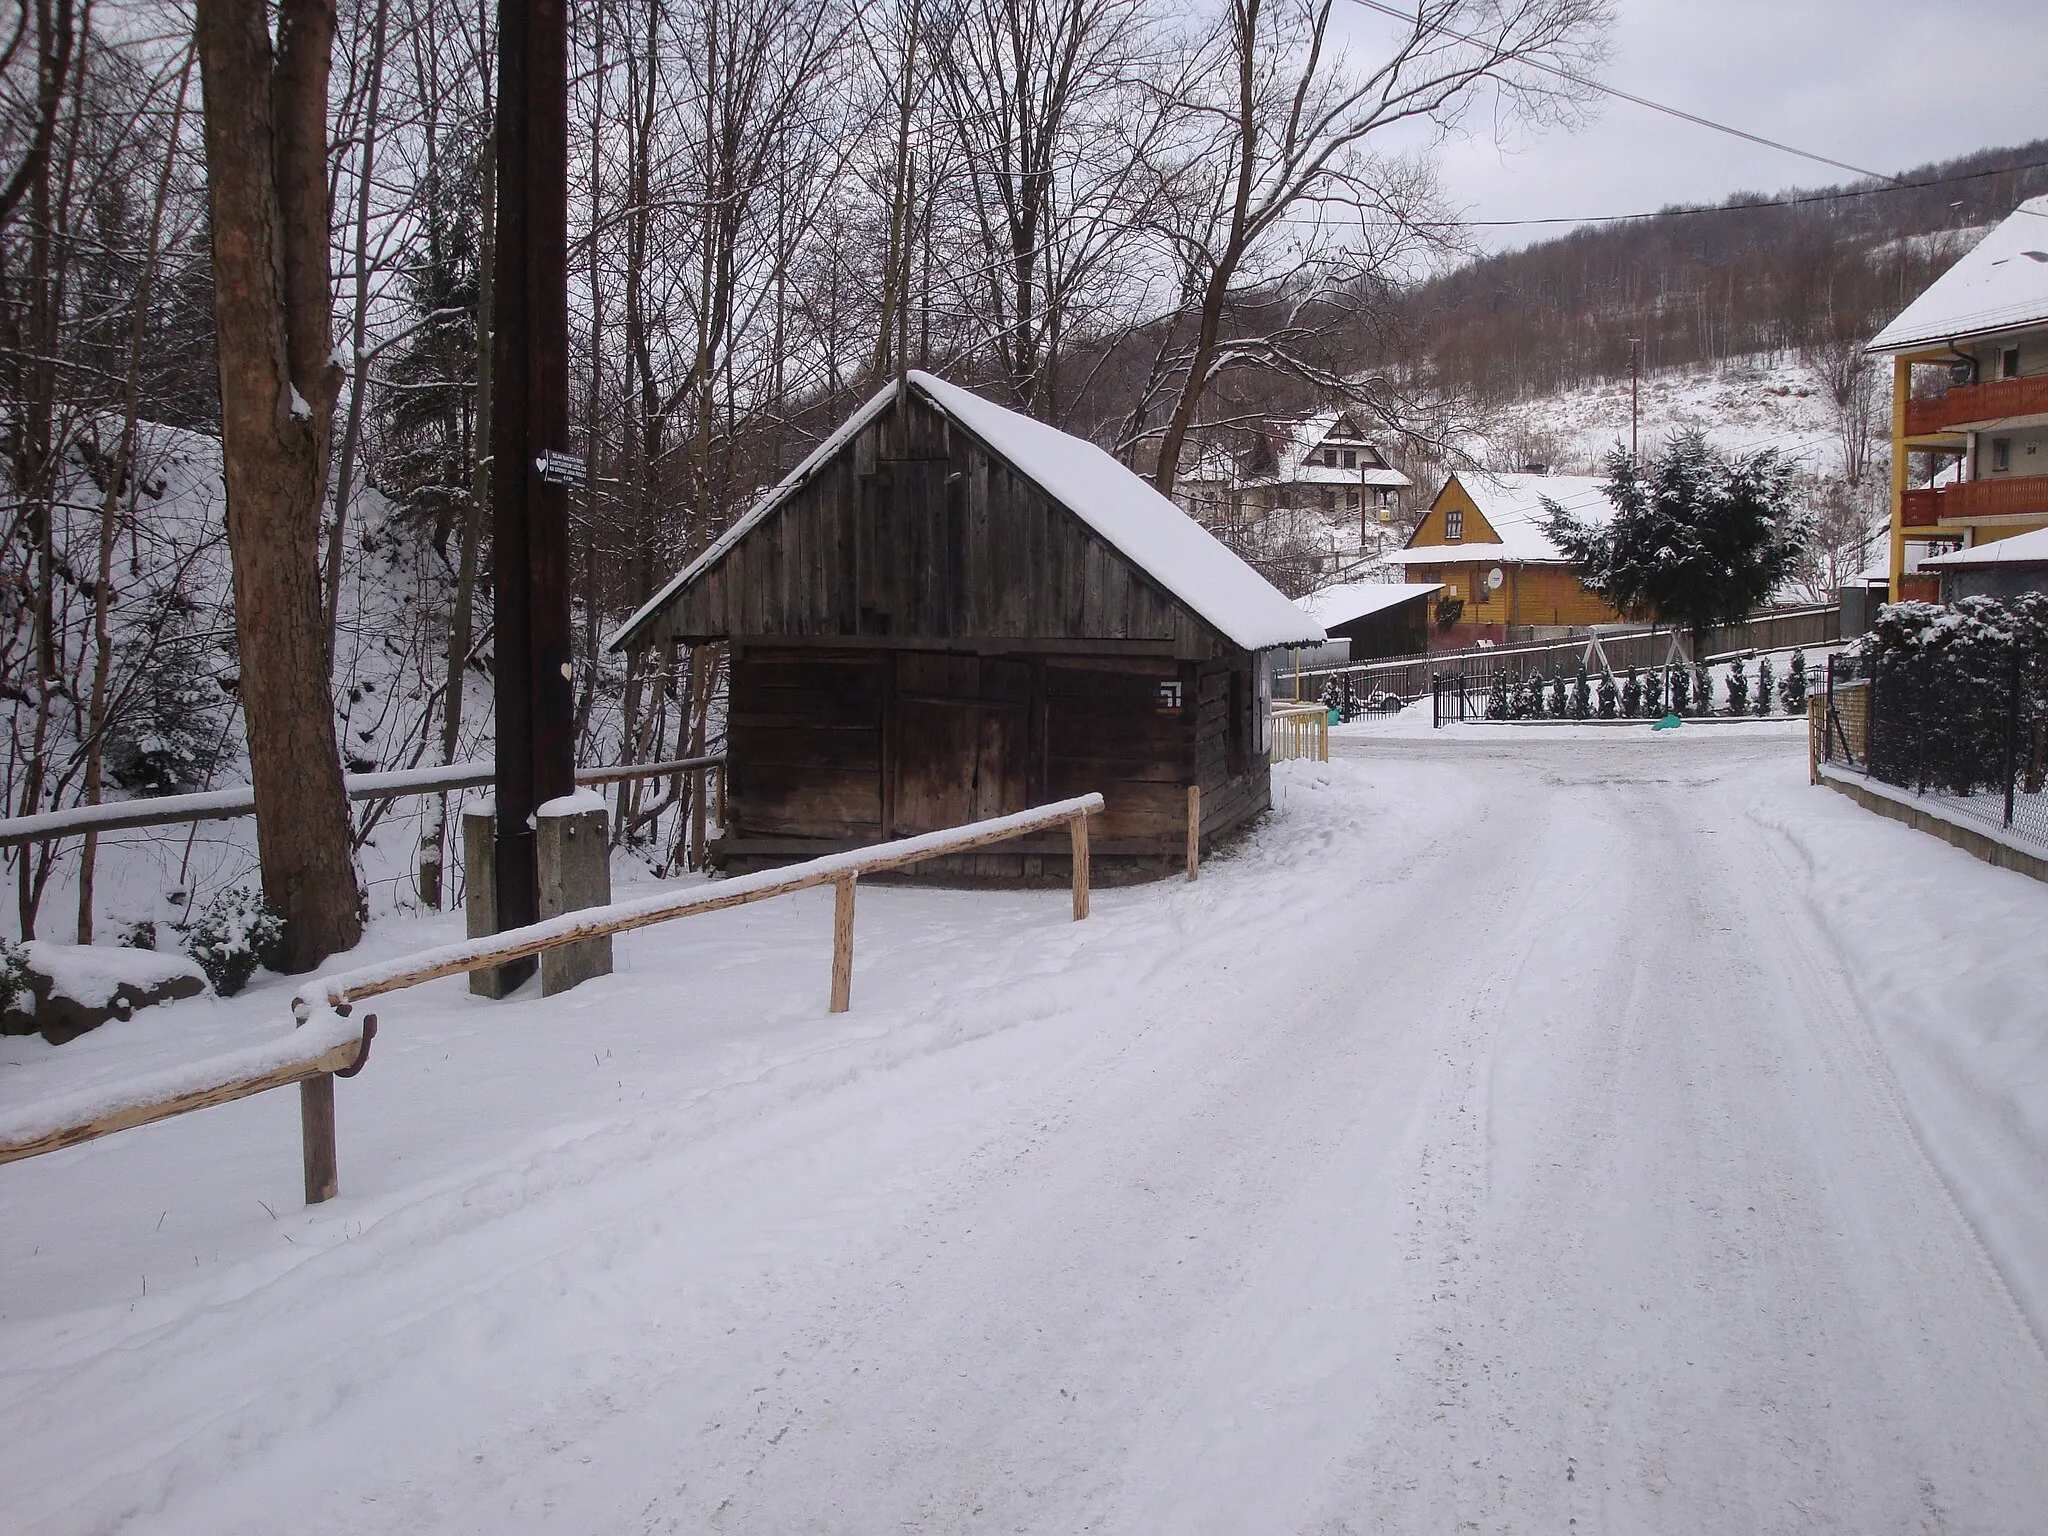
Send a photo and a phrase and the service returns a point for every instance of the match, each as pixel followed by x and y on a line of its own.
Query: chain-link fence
pixel 1966 730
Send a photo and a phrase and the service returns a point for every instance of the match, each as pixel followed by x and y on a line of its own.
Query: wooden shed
pixel 950 611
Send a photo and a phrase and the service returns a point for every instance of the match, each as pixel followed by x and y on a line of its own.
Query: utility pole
pixel 1635 377
pixel 530 467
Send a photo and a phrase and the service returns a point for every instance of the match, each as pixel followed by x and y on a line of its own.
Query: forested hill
pixel 1753 275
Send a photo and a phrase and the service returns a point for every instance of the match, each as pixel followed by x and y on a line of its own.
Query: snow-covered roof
pixel 1359 599
pixel 1143 526
pixel 2020 549
pixel 2002 283
pixel 1514 506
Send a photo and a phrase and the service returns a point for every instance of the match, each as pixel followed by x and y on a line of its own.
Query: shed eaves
pixel 2020 549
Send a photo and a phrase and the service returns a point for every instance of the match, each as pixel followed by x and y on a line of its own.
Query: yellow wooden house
pixel 1503 579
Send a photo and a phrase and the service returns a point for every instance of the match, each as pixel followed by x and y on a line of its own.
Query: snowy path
pixel 1495 1144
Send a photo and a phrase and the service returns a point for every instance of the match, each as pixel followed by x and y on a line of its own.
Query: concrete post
pixel 574 856
pixel 480 899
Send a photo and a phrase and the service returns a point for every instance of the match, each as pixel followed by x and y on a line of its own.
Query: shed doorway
pixel 962 749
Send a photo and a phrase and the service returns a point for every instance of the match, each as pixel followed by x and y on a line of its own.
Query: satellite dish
pixel 1494 578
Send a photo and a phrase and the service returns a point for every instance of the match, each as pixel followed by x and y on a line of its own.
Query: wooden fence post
pixel 1077 830
pixel 1194 830
pixel 842 943
pixel 316 1129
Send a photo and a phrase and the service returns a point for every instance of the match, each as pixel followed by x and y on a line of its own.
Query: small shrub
pixel 1609 697
pixel 1498 699
pixel 1738 689
pixel 1766 689
pixel 235 934
pixel 1560 706
pixel 1653 694
pixel 1582 695
pixel 1535 689
pixel 1681 690
pixel 1632 694
pixel 140 935
pixel 1793 689
pixel 1702 689
pixel 13 976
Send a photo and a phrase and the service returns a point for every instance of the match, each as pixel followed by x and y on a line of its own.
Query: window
pixel 1351 458
pixel 2001 455
pixel 1329 499
pixel 1351 501
pixel 2009 363
pixel 1330 458
pixel 1454 524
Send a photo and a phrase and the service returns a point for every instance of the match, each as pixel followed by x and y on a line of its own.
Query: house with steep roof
pixel 1317 463
pixel 1970 407
pixel 948 612
pixel 1484 539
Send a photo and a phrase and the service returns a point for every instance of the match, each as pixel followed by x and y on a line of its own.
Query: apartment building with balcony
pixel 1970 403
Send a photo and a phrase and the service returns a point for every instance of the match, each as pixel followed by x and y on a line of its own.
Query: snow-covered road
pixel 1497 1142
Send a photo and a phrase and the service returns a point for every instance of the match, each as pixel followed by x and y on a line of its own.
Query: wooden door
pixel 962 743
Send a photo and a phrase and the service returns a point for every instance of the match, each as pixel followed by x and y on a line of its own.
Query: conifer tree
pixel 1738 688
pixel 1765 690
pixel 1653 693
pixel 1794 687
pixel 1560 706
pixel 1536 694
pixel 1499 702
pixel 1582 695
pixel 1632 694
pixel 1681 690
pixel 1702 689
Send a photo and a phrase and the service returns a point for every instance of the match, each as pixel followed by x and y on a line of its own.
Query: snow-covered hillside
pixel 1742 407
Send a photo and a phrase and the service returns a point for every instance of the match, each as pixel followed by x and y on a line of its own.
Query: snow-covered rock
pixel 78 987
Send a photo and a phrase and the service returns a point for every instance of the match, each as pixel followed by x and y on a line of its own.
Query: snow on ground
pixel 1742 406
pixel 1521 1130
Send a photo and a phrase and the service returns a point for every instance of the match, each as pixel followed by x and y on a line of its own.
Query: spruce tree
pixel 1738 688
pixel 1560 705
pixel 1632 694
pixel 1653 694
pixel 1681 690
pixel 1702 689
pixel 1794 687
pixel 1608 695
pixel 1498 699
pixel 1582 695
pixel 1536 694
pixel 1765 689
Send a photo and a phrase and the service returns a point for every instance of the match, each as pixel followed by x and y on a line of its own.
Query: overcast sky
pixel 1883 84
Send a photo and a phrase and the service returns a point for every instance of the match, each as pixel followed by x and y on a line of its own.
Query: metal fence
pixel 1967 733
pixel 1414 676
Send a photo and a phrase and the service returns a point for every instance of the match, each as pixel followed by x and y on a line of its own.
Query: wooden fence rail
pixel 1300 730
pixel 328 1045
pixel 228 804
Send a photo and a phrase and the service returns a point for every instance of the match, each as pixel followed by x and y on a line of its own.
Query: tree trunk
pixel 266 142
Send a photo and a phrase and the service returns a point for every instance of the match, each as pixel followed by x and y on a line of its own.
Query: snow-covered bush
pixel 1632 694
pixel 13 976
pixel 1653 693
pixel 1609 696
pixel 1529 703
pixel 1499 701
pixel 1582 695
pixel 1738 689
pixel 1793 689
pixel 1702 689
pixel 1560 706
pixel 140 935
pixel 1766 687
pixel 1681 690
pixel 235 934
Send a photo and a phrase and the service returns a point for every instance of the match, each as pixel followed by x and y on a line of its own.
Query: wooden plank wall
pixel 814 737
pixel 915 531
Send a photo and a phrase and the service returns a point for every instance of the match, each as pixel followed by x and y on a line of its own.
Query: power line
pixel 1642 101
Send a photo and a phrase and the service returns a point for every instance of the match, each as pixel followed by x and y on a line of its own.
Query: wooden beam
pixel 316 1131
pixel 842 943
pixel 1077 829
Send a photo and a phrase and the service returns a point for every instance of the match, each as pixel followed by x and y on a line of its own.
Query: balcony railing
pixel 1975 405
pixel 2020 496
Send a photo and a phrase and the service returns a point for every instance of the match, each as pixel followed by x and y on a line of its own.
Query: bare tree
pixel 1279 183
pixel 266 155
